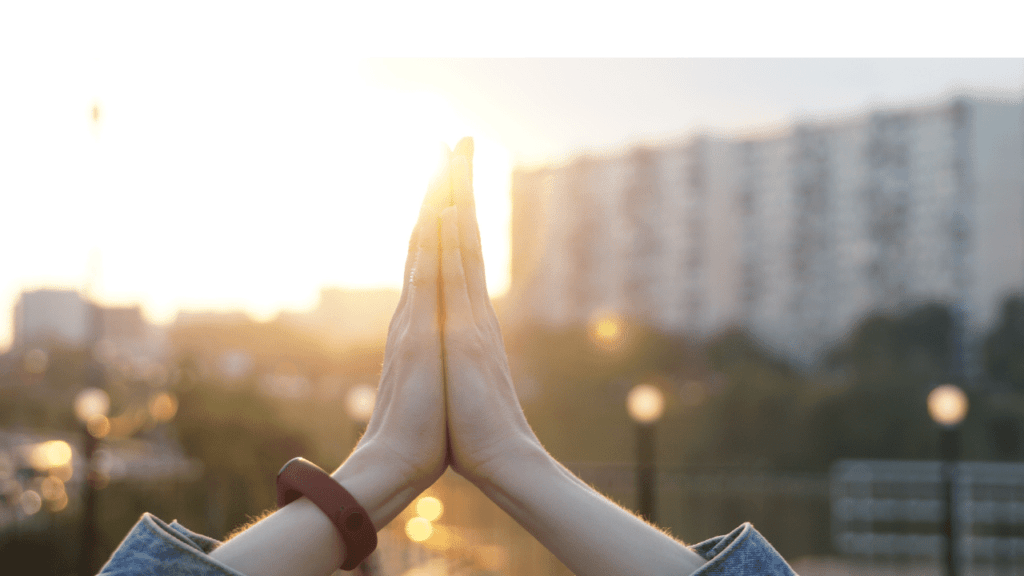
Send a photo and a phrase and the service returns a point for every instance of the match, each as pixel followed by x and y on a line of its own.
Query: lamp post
pixel 645 404
pixel 947 406
pixel 91 407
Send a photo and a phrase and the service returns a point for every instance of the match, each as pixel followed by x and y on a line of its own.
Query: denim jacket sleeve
pixel 155 547
pixel 742 552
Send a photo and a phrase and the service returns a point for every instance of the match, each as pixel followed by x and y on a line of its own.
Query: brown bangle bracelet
pixel 300 477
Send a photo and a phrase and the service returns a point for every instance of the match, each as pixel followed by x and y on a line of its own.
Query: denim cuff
pixel 155 547
pixel 742 552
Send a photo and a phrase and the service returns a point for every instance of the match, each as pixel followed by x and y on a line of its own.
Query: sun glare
pixel 249 194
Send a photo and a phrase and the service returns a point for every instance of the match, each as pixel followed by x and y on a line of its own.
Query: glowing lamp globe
pixel 90 403
pixel 645 403
pixel 947 405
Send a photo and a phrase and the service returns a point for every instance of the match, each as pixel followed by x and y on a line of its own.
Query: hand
pixel 486 426
pixel 492 444
pixel 403 450
pixel 406 435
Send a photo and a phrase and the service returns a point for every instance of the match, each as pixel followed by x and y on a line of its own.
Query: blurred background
pixel 784 291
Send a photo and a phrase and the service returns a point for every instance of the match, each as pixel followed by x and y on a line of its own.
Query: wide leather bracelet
pixel 300 477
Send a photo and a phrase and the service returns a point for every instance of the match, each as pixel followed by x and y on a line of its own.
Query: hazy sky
pixel 243 159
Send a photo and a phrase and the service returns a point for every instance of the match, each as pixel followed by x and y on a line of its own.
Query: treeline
pixel 731 402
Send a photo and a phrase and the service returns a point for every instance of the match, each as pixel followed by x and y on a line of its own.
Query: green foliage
pixel 754 418
pixel 867 399
pixel 1004 348
pixel 730 404
pixel 885 370
pixel 239 437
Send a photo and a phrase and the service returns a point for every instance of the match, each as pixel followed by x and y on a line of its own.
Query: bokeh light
pixel 645 403
pixel 359 402
pixel 98 426
pixel 429 508
pixel 63 472
pixel 90 402
pixel 947 405
pixel 59 503
pixel 49 454
pixel 163 407
pixel 607 330
pixel 418 529
pixel 51 487
pixel 31 502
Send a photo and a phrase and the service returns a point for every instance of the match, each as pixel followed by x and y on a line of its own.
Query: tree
pixel 1003 349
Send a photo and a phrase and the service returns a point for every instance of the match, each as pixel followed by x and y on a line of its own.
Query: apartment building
pixel 794 236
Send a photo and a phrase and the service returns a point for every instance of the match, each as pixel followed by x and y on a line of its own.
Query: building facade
pixel 50 317
pixel 794 237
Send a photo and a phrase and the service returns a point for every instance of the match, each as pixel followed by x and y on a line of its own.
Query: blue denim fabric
pixel 155 547
pixel 742 552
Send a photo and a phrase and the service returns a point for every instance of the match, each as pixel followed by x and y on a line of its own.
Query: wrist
pixel 378 483
pixel 525 458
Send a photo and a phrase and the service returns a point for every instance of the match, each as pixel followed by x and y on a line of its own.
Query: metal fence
pixel 894 509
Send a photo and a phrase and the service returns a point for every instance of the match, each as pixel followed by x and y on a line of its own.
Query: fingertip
pixel 439 189
pixel 460 171
pixel 465 148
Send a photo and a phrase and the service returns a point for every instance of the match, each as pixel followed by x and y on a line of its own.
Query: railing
pixel 894 509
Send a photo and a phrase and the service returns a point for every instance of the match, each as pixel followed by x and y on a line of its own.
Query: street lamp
pixel 645 404
pixel 91 407
pixel 947 406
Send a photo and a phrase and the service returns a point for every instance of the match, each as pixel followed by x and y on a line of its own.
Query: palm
pixel 408 418
pixel 484 415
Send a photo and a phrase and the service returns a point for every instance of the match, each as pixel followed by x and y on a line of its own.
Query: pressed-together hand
pixel 486 425
pixel 407 430
pixel 493 445
pixel 446 382
pixel 404 448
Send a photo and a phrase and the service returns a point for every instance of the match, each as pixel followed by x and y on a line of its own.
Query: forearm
pixel 300 540
pixel 590 534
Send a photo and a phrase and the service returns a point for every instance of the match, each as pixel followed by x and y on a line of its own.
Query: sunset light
pixel 206 181
pixel 720 292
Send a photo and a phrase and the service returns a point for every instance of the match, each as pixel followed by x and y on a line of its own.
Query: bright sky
pixel 242 160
